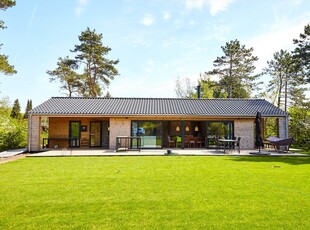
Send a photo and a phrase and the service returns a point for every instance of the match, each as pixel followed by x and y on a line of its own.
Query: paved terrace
pixel 156 152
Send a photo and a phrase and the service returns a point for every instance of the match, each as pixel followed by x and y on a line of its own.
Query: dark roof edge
pixel 159 98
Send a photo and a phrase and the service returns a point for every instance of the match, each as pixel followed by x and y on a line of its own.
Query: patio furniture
pixel 237 144
pixel 178 141
pixel 171 142
pixel 126 143
pixel 227 143
pixel 277 143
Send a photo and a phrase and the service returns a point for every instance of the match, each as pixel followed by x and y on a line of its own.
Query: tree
pixel 302 51
pixel 235 70
pixel 286 77
pixel 184 88
pixel 67 76
pixel 96 71
pixel 299 125
pixel 5 67
pixel 210 88
pixel 28 108
pixel 15 113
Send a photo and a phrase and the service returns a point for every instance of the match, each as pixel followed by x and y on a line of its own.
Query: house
pixel 79 122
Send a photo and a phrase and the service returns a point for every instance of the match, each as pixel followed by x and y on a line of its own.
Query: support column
pixel 34 125
pixel 283 127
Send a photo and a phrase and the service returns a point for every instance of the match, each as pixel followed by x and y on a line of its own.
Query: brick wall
pixel 118 127
pixel 245 129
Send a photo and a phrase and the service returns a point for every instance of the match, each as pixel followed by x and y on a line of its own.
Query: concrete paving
pixel 154 152
pixel 10 153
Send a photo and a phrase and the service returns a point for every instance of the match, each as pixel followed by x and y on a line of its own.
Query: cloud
pixel 279 36
pixel 167 15
pixel 215 5
pixel 148 20
pixel 81 4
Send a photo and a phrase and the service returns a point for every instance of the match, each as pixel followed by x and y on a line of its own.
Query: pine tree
pixel 302 51
pixel 235 70
pixel 5 67
pixel 15 113
pixel 96 71
pixel 286 77
pixel 28 108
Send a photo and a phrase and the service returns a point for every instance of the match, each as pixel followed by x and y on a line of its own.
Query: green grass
pixel 170 192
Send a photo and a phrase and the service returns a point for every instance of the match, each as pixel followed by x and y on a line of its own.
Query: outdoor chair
pixel 238 144
pixel 178 141
pixel 171 143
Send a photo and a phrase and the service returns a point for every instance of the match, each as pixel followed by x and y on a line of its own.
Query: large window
pixel 217 130
pixel 149 131
pixel 74 133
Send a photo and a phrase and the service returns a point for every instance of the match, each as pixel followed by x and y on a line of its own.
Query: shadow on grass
pixel 296 160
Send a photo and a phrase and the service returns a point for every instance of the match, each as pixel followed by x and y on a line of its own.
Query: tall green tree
pixel 235 70
pixel 286 78
pixel 90 72
pixel 98 70
pixel 299 125
pixel 15 113
pixel 5 67
pixel 28 108
pixel 302 51
pixel 70 81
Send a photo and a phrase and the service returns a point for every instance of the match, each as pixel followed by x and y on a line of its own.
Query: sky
pixel 155 41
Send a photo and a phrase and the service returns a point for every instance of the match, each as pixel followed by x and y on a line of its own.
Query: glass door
pixel 218 130
pixel 105 134
pixel 151 133
pixel 95 134
pixel 74 133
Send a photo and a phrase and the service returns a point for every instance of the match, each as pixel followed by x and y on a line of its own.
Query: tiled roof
pixel 156 106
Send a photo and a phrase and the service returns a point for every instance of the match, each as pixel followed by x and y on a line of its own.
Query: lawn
pixel 169 192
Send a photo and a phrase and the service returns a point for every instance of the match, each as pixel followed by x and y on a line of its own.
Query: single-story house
pixel 82 122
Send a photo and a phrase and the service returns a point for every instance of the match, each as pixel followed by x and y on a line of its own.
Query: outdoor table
pixel 227 142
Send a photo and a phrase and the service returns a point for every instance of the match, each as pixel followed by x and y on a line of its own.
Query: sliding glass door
pixel 150 133
pixel 217 130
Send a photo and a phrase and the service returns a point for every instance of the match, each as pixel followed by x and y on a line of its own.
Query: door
pixel 74 133
pixel 218 130
pixel 95 134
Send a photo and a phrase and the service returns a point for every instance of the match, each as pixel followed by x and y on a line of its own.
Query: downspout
pixel 286 124
pixel 29 132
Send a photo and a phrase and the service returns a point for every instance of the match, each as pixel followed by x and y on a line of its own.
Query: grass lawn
pixel 169 192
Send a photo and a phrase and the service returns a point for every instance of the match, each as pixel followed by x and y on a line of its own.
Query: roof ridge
pixel 161 98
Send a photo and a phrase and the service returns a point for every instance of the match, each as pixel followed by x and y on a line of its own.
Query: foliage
pixel 13 132
pixel 15 113
pixel 5 67
pixel 287 77
pixel 66 73
pixel 96 71
pixel 210 88
pixel 28 108
pixel 155 193
pixel 302 51
pixel 235 70
pixel 299 125
pixel 184 88
pixel 270 127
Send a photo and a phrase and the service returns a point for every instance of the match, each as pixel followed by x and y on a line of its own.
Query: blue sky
pixel 156 41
